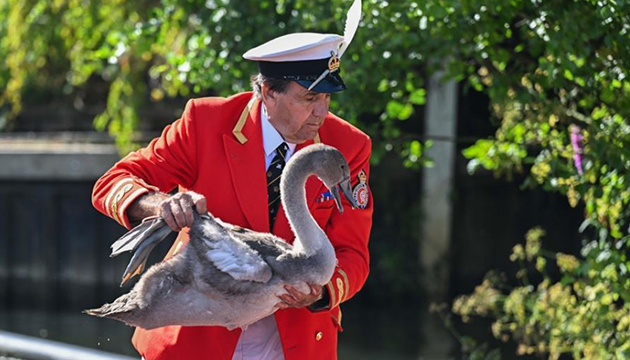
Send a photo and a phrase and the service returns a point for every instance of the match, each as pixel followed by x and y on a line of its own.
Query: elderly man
pixel 219 155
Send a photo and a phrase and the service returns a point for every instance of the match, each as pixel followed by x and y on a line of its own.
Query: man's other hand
pixel 296 299
pixel 177 210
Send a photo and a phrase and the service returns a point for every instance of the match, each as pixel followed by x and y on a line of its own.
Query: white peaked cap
pixel 296 47
pixel 310 59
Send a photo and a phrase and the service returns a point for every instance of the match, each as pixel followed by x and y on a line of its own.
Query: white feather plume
pixel 352 23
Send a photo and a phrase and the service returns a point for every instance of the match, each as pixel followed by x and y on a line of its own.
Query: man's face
pixel 298 113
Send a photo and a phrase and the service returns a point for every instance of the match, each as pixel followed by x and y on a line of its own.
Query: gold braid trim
pixel 237 131
pixel 346 283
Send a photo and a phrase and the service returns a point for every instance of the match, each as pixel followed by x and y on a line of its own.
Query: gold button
pixel 319 335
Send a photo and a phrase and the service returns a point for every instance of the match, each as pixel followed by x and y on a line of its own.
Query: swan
pixel 228 275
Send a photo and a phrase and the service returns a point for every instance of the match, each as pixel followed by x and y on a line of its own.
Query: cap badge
pixel 360 191
pixel 333 63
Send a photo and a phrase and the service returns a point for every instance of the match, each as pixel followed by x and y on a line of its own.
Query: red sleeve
pixel 167 161
pixel 349 233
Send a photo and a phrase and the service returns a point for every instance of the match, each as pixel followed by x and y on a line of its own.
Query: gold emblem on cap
pixel 333 63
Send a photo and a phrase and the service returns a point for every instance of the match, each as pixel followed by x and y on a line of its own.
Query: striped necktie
pixel 273 181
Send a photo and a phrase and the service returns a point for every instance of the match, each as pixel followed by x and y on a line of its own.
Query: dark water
pixel 369 333
pixel 70 327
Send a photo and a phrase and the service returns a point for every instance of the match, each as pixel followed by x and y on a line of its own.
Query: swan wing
pixel 263 243
pixel 232 256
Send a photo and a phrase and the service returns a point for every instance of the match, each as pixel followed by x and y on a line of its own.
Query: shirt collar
pixel 271 137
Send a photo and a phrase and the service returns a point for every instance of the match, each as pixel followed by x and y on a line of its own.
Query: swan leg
pixel 135 236
pixel 144 248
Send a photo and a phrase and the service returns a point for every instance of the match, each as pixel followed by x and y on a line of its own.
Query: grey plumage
pixel 228 275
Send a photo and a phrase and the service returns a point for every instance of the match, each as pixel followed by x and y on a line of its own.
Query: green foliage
pixel 413 154
pixel 471 349
pixel 559 87
pixel 584 315
pixel 555 73
pixel 149 50
pixel 547 74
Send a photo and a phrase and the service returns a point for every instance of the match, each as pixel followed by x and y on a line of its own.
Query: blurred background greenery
pixel 544 104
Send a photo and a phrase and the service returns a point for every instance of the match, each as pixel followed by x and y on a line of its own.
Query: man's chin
pixel 307 136
pixel 312 134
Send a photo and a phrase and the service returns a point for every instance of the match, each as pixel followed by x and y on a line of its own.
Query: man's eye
pixel 310 98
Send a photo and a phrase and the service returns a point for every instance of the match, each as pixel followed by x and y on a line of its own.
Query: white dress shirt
pixel 272 139
pixel 261 340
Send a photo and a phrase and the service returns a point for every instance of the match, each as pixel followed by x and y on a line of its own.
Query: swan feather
pixel 232 256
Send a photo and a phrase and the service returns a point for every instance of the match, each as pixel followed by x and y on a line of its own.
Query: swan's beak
pixel 346 189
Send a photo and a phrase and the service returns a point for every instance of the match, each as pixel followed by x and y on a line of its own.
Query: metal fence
pixel 29 348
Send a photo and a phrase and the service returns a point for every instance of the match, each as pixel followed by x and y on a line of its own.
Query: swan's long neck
pixel 309 237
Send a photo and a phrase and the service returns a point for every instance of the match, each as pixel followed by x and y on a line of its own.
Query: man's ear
pixel 269 96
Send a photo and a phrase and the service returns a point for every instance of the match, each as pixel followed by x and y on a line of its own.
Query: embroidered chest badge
pixel 360 191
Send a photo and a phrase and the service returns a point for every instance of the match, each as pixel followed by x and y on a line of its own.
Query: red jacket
pixel 216 149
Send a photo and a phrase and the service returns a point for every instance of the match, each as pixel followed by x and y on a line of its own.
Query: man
pixel 219 155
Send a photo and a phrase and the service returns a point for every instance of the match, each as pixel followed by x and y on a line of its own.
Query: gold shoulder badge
pixel 333 63
pixel 360 191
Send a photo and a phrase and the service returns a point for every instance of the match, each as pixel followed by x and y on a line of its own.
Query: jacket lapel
pixel 246 162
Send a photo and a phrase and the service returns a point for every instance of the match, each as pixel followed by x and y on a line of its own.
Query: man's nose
pixel 321 107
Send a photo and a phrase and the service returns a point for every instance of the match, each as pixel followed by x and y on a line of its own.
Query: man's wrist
pixel 145 206
pixel 323 303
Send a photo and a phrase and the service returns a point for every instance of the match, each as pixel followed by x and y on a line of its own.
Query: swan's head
pixel 333 170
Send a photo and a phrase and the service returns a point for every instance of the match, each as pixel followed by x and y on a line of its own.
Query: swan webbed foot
pixel 142 240
pixel 140 256
pixel 132 239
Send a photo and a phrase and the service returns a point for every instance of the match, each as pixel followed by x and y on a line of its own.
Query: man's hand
pixel 177 210
pixel 296 299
